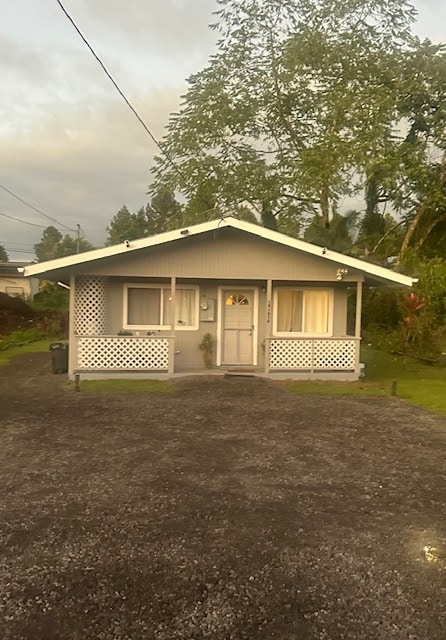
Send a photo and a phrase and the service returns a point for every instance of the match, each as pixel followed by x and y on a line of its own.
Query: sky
pixel 69 145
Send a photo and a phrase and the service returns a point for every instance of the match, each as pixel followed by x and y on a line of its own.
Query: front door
pixel 237 326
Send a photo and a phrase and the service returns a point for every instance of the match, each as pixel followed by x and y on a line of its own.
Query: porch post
pixel 358 323
pixel 173 285
pixel 72 341
pixel 268 323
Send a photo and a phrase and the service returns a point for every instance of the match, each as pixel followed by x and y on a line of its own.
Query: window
pixel 150 307
pixel 302 311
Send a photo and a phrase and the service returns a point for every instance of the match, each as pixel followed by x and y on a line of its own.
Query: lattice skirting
pixel 122 353
pixel 312 354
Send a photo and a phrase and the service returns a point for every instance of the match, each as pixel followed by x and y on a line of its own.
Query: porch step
pixel 246 373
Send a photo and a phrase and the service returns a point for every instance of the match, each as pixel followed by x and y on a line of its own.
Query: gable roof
pixel 374 271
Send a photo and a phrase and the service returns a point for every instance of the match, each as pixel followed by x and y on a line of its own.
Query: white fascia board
pixel 381 273
pixel 339 258
pixel 119 249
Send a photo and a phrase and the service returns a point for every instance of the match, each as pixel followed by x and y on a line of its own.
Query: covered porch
pixel 99 349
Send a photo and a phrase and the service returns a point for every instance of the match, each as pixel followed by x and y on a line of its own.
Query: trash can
pixel 59 357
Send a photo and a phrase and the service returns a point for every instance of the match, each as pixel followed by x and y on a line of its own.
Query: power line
pixel 32 224
pixel 15 250
pixel 61 224
pixel 123 96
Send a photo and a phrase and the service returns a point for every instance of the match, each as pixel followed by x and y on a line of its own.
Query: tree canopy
pixel 3 254
pixel 307 104
pixel 54 245
pixel 162 213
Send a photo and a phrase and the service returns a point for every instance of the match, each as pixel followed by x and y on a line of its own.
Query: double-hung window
pixel 302 311
pixel 151 307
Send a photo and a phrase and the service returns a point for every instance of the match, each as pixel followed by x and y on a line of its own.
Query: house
pixel 269 303
pixel 14 282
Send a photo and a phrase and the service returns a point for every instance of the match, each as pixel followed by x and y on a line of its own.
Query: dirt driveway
pixel 227 509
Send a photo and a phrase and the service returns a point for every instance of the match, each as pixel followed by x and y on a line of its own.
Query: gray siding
pixel 227 254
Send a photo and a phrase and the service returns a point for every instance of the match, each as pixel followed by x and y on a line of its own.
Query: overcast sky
pixel 68 143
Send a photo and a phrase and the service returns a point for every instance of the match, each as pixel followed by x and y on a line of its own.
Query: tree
pixel 69 245
pixel 126 226
pixel 3 254
pixel 293 112
pixel 54 245
pixel 163 212
pixel 46 249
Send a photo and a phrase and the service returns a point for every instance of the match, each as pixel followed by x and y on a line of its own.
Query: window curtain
pixel 184 307
pixel 143 306
pixel 316 312
pixel 289 311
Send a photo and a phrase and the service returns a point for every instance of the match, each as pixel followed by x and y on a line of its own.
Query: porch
pixel 154 356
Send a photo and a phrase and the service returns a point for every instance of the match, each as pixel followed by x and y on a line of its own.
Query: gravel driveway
pixel 227 509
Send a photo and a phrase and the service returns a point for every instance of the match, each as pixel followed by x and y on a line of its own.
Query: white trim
pixel 255 320
pixel 380 273
pixel 303 334
pixel 161 288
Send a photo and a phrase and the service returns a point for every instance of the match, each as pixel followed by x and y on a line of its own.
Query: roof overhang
pixel 373 274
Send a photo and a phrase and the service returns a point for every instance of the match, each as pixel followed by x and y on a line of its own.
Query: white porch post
pixel 72 342
pixel 268 319
pixel 173 286
pixel 358 323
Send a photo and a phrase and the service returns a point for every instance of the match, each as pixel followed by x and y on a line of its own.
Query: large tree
pixel 54 245
pixel 3 254
pixel 295 111
pixel 162 213
pixel 126 226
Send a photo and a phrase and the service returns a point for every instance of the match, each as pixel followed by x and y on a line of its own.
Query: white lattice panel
pixel 334 354
pixel 90 307
pixel 107 353
pixel 312 354
pixel 290 354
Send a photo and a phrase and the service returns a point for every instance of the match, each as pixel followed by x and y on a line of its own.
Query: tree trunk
pixel 325 206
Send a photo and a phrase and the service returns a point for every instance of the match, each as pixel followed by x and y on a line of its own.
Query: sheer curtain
pixel 143 306
pixel 316 312
pixel 289 311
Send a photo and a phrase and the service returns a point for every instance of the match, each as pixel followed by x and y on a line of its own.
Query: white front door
pixel 238 326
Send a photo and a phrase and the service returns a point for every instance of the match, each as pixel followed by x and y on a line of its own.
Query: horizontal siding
pixel 227 254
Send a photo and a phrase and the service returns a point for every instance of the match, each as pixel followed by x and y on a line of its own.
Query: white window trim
pixel 159 287
pixel 303 334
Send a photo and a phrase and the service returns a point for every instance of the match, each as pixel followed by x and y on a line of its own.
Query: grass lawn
pixel 419 383
pixel 20 349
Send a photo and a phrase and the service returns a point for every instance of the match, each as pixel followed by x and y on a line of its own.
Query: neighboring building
pixel 271 304
pixel 14 282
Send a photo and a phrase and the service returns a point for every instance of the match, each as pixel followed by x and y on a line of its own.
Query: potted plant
pixel 207 347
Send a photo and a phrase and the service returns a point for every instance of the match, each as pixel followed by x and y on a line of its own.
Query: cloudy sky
pixel 69 145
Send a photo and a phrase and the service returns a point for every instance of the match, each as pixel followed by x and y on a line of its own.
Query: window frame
pixel 287 334
pixel 161 288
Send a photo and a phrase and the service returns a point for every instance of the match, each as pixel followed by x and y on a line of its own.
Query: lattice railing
pixel 90 305
pixel 310 354
pixel 122 353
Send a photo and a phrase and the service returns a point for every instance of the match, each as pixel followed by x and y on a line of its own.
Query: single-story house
pixel 14 282
pixel 263 302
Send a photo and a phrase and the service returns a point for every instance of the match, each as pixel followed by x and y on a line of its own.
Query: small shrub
pixel 207 347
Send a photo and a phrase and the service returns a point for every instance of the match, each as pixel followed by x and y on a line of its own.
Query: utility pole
pixel 78 237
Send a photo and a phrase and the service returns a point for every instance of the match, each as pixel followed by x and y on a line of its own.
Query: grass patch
pixel 125 386
pixel 417 382
pixel 14 350
pixel 319 387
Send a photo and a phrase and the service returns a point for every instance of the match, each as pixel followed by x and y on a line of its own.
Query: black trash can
pixel 59 357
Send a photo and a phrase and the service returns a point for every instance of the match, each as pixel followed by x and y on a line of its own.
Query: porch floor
pixel 342 376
